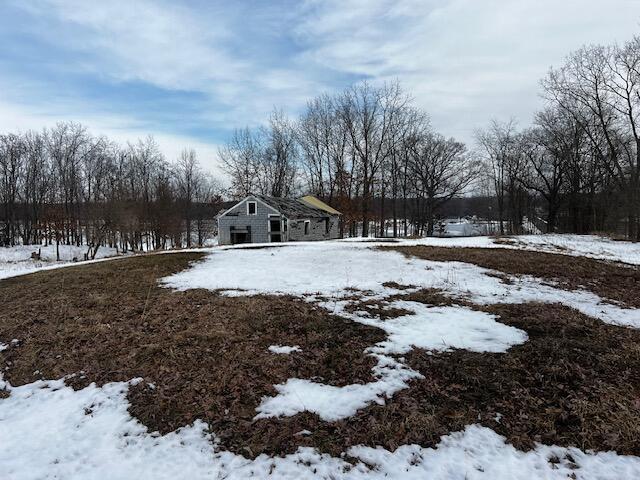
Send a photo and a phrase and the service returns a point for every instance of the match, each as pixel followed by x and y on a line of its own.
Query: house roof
pixel 294 208
pixel 317 203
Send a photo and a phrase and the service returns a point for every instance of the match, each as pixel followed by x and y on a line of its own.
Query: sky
pixel 190 72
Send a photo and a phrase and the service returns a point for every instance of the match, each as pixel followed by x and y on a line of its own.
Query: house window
pixel 274 225
pixel 251 208
pixel 307 223
pixel 326 226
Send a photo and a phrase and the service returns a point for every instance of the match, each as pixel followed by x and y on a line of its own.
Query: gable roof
pixel 293 208
pixel 223 212
pixel 290 208
pixel 317 203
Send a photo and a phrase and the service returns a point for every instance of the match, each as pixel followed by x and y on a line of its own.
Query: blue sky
pixel 190 72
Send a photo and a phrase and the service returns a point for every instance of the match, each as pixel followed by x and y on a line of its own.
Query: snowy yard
pixel 17 260
pixel 506 359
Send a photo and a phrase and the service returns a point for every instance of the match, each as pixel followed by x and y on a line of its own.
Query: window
pixel 306 227
pixel 274 225
pixel 326 226
pixel 251 208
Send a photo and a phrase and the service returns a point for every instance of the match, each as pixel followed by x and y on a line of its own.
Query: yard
pixel 442 358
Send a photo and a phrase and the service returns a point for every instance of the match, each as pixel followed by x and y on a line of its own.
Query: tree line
pixel 580 160
pixel 373 155
pixel 367 150
pixel 366 143
pixel 64 186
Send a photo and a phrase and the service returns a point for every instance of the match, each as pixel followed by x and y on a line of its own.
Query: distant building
pixel 261 219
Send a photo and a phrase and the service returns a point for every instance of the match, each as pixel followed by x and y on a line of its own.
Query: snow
pixel 48 430
pixel 333 270
pixel 333 403
pixel 480 453
pixel 431 328
pixel 444 328
pixel 210 242
pixel 581 245
pixel 592 246
pixel 462 229
pixel 332 273
pixel 283 349
pixel 336 269
pixel 17 260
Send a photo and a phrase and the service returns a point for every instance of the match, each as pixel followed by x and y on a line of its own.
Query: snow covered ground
pixel 432 328
pixel 284 349
pixel 17 260
pixel 335 269
pixel 591 246
pixel 49 431
pixel 581 245
pixel 332 273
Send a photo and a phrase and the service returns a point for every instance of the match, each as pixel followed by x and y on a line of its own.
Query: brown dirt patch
pixel 377 308
pixel 397 286
pixel 384 309
pixel 429 296
pixel 206 354
pixel 575 382
pixel 612 281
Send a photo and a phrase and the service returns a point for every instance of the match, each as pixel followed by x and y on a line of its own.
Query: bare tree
pixel 441 170
pixel 278 166
pixel 502 164
pixel 11 166
pixel 550 150
pixel 369 115
pixel 323 143
pixel 36 186
pixel 190 180
pixel 240 159
pixel 599 86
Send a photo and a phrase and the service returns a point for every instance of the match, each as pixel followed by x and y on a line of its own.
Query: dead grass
pixel 206 354
pixel 383 308
pixel 612 281
pixel 575 382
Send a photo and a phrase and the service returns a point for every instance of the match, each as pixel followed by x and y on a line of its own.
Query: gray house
pixel 261 219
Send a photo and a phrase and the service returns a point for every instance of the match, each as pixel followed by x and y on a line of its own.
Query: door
pixel 274 230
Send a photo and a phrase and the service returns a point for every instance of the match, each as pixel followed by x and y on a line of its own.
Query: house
pixel 262 219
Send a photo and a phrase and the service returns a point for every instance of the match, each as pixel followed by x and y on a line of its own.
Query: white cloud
pixel 177 48
pixel 464 61
pixel 20 118
pixel 159 43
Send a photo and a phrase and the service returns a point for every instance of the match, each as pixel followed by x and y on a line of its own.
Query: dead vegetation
pixel 612 281
pixel 576 381
pixel 206 354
